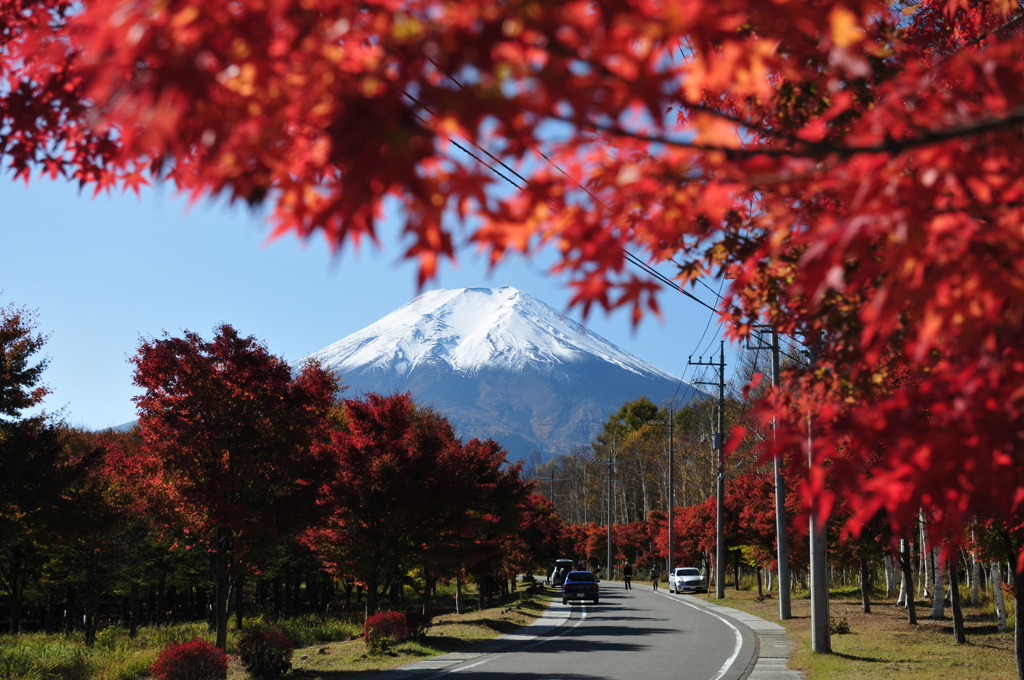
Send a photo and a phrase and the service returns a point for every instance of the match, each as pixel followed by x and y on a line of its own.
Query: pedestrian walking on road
pixel 627 576
pixel 655 576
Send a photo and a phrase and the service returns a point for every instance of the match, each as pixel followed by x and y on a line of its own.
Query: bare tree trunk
pixel 865 586
pixel 997 595
pixel 908 578
pixel 1018 626
pixel 458 592
pixel 959 635
pixel 938 589
pixel 975 578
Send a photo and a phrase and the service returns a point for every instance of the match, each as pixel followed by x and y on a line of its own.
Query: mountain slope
pixel 499 363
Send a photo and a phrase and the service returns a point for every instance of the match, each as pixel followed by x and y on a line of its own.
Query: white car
pixel 684 579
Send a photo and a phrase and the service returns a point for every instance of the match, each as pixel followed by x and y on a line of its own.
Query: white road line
pixel 498 656
pixel 739 637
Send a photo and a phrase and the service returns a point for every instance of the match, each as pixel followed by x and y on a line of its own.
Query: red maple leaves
pixel 853 167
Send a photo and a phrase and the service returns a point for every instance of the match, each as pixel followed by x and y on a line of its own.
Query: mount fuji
pixel 500 364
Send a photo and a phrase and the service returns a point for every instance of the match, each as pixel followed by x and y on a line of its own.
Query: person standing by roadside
pixel 655 576
pixel 627 576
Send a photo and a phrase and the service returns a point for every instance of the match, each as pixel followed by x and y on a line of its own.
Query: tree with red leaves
pixel 227 453
pixel 855 168
pixel 407 494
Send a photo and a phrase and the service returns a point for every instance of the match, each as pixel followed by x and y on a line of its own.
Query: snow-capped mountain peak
pixel 473 328
pixel 499 363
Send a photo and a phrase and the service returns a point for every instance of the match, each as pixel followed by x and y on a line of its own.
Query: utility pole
pixel 781 540
pixel 671 487
pixel 720 446
pixel 608 567
pixel 821 642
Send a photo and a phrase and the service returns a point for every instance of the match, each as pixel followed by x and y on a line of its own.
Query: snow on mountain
pixel 473 328
pixel 499 363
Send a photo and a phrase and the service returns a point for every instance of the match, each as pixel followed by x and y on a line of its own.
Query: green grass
pixel 883 645
pixel 450 632
pixel 331 646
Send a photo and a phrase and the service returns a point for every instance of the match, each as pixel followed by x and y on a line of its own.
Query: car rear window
pixel 579 576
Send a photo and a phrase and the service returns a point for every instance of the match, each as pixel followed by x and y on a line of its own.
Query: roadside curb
pixel 774 647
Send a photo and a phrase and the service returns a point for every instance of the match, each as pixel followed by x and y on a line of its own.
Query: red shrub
pixel 193 660
pixel 381 630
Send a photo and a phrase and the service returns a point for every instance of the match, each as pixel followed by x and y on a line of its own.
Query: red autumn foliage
pixel 405 493
pixel 854 168
pixel 384 629
pixel 227 452
pixel 193 660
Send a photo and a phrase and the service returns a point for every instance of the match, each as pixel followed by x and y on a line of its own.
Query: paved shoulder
pixel 774 645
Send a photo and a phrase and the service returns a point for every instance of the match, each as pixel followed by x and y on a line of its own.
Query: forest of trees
pixel 244 490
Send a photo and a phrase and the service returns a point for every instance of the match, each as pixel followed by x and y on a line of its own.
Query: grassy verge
pixel 449 632
pixel 328 649
pixel 883 645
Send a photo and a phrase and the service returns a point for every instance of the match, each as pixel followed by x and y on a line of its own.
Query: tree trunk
pixel 997 595
pixel 133 610
pixel 428 587
pixel 938 588
pixel 760 592
pixel 865 586
pixel 17 590
pixel 92 588
pixel 1018 626
pixel 69 611
pixel 371 597
pixel 458 592
pixel 959 635
pixel 239 600
pixel 975 577
pixel 908 577
pixel 220 581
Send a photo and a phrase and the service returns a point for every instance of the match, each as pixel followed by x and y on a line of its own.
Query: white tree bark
pixel 901 600
pixel 938 591
pixel 890 575
pixel 975 578
pixel 997 593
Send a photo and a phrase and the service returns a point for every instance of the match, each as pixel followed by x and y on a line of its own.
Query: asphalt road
pixel 633 634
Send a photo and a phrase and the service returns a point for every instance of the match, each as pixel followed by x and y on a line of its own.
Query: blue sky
pixel 104 272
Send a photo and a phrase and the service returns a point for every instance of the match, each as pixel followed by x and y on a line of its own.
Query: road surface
pixel 633 634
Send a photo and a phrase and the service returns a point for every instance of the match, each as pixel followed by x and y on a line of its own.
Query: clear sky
pixel 103 272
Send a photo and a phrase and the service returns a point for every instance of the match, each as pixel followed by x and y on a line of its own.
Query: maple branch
pixel 817 150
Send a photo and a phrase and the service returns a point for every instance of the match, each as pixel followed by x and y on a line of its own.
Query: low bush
pixel 194 660
pixel 266 653
pixel 838 626
pixel 382 630
pixel 417 623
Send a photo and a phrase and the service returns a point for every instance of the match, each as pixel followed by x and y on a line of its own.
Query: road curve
pixel 636 634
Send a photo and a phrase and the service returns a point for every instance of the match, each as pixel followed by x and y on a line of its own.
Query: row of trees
pixel 261 478
pixel 635 440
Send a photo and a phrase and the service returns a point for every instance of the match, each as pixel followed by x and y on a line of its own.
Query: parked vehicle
pixel 580 585
pixel 684 579
pixel 562 567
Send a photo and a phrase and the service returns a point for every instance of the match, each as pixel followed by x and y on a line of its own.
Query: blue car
pixel 580 585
